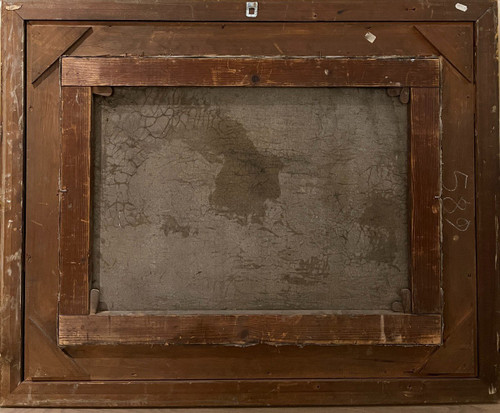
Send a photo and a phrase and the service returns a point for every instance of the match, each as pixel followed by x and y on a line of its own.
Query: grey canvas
pixel 249 199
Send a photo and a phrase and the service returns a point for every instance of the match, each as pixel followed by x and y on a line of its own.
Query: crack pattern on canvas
pixel 232 198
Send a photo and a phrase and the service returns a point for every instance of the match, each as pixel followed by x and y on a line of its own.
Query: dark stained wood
pixel 458 352
pixel 455 42
pixel 160 362
pixel 425 139
pixel 269 10
pixel 41 277
pixel 172 362
pixel 75 200
pixel 487 173
pixel 244 329
pixel 122 365
pixel 125 71
pixel 47 43
pixel 249 392
pixel 268 39
pixel 424 200
pixel 459 241
pixel 464 408
pixel 11 212
pixel 47 361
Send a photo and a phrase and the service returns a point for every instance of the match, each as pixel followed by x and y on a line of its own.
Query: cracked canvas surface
pixel 247 198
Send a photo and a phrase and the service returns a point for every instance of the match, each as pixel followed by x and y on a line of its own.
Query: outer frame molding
pixel 487 204
pixel 269 10
pixel 15 391
pixel 11 219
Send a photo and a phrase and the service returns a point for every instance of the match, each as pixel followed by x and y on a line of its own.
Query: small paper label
pixel 13 7
pixel 370 37
pixel 461 7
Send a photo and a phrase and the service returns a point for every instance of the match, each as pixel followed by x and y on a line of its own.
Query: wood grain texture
pixel 47 361
pixel 42 359
pixel 459 241
pixel 244 329
pixel 268 39
pixel 269 10
pixel 455 42
pixel 131 71
pixel 476 408
pixel 11 213
pixel 424 200
pixel 487 173
pixel 75 200
pixel 177 362
pixel 160 362
pixel 423 137
pixel 243 393
pixel 262 362
pixel 47 43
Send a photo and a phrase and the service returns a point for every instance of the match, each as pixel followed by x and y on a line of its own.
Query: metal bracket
pixel 252 9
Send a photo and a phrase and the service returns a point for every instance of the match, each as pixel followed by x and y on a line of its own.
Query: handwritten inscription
pixel 456 206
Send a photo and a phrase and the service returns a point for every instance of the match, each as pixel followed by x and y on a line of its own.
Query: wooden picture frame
pixel 77 326
pixel 457 367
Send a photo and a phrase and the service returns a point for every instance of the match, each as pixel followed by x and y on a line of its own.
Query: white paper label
pixel 370 37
